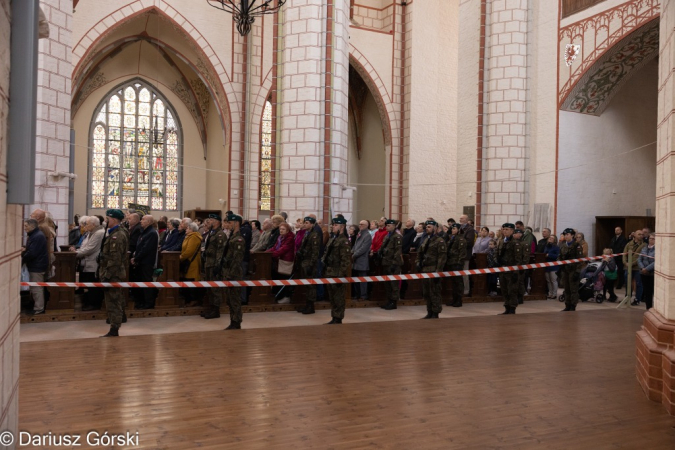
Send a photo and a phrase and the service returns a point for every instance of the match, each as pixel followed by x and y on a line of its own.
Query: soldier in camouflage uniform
pixel 570 273
pixel 306 260
pixel 112 268
pixel 214 250
pixel 518 235
pixel 431 258
pixel 391 257
pixel 233 270
pixel 336 261
pixel 455 261
pixel 511 252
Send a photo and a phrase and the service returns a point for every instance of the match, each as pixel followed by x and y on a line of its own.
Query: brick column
pixel 505 158
pixel 53 115
pixel 313 98
pixel 656 341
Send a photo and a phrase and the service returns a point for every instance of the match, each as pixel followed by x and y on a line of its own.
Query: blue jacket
pixel 552 252
pixel 647 263
pixel 146 248
pixel 36 255
pixel 174 242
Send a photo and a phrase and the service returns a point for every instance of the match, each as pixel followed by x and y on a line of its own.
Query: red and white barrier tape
pixel 308 281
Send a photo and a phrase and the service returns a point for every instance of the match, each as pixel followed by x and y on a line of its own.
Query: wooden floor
pixel 558 380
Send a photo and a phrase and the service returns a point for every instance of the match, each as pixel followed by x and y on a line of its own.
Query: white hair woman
pixel 87 255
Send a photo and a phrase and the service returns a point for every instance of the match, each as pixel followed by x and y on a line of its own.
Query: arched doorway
pixel 607 137
pixel 367 151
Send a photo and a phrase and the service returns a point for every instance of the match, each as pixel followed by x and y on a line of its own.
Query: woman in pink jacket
pixel 283 253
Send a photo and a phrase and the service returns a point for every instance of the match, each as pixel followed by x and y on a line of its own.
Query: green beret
pixel 232 217
pixel 115 214
pixel 430 222
pixel 309 219
pixel 390 222
pixel 509 225
pixel 215 216
pixel 456 225
pixel 569 231
pixel 339 221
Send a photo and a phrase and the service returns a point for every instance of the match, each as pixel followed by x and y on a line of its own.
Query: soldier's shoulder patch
pixel 114 237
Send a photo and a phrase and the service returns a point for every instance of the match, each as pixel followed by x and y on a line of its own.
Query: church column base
pixel 655 366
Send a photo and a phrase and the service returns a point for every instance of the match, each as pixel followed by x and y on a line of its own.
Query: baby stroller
pixel 591 283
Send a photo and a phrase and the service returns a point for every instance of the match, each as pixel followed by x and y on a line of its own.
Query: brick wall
pixel 10 243
pixel 53 114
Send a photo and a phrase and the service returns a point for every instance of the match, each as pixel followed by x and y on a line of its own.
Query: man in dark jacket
pixel 135 230
pixel 541 244
pixel 360 258
pixel 143 263
pixel 617 244
pixel 409 234
pixel 247 233
pixel 470 236
pixel 35 256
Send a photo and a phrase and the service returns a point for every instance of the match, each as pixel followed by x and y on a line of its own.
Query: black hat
pixel 309 219
pixel 518 231
pixel 390 222
pixel 569 231
pixel 430 222
pixel 115 214
pixel 456 225
pixel 215 216
pixel 339 220
pixel 509 225
pixel 232 217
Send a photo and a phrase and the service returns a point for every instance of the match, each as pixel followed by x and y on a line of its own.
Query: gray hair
pixel 31 223
pixel 175 223
pixel 193 226
pixel 82 221
pixel 93 220
pixel 186 220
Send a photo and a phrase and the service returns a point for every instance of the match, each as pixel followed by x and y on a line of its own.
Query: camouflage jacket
pixel 234 256
pixel 433 254
pixel 392 250
pixel 513 252
pixel 214 248
pixel 113 260
pixel 310 247
pixel 573 251
pixel 337 256
pixel 456 251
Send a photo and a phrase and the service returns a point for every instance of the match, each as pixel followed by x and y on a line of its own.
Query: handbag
pixel 285 267
pixel 610 275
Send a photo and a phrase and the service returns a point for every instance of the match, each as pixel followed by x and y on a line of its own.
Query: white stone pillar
pixel 656 341
pixel 53 115
pixel 314 76
pixel 505 159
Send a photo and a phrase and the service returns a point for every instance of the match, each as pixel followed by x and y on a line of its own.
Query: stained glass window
pixel 136 148
pixel 266 159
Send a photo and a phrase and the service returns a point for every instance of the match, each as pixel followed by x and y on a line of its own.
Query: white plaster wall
pixel 597 158
pixel 377 49
pixel 467 103
pixel 217 166
pixel 368 173
pixel 433 115
pixel 543 111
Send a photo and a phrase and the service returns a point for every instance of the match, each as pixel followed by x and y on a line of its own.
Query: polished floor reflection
pixel 549 380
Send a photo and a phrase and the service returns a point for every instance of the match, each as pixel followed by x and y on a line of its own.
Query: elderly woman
pixel 190 258
pixel 87 255
pixel 173 236
pixel 283 255
pixel 482 241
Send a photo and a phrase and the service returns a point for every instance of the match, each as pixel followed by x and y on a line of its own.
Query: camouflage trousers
pixel 336 295
pixel 431 291
pixel 509 285
pixel 457 285
pixel 233 295
pixel 571 280
pixel 309 291
pixel 215 294
pixel 114 303
pixel 392 287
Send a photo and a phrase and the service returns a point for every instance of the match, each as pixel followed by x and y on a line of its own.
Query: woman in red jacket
pixel 283 255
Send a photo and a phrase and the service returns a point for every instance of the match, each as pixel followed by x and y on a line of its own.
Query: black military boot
pixel 429 315
pixel 512 310
pixel 434 315
pixel 205 310
pixel 213 313
pixel 507 310
pixel 334 321
pixel 124 319
pixel 309 309
pixel 457 304
pixel 234 325
pixel 114 332
pixel 567 308
pixel 389 306
pixel 573 308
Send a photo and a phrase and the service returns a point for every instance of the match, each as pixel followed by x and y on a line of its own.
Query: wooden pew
pixel 480 285
pixel 170 263
pixel 262 261
pixel 538 283
pixel 65 268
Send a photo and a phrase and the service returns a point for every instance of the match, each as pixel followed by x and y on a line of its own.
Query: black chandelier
pixel 244 12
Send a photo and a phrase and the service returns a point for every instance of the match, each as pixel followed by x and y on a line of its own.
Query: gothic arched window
pixel 266 159
pixel 135 150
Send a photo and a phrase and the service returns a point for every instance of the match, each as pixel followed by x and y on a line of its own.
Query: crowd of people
pixel 108 248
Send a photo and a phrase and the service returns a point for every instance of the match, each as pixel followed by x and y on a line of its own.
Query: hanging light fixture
pixel 244 12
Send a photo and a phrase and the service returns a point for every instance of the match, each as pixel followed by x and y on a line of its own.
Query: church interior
pixel 555 114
